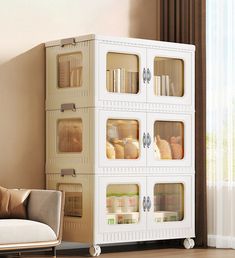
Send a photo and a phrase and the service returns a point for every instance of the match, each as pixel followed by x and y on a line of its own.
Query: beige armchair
pixel 42 229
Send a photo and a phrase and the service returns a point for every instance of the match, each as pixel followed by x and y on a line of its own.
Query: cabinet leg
pixel 188 243
pixel 95 250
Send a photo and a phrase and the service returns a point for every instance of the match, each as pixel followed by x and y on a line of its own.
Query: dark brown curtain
pixel 184 21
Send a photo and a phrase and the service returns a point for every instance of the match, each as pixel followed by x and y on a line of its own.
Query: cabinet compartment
pixel 172 77
pixel 122 136
pixel 120 204
pixel 168 77
pixel 69 70
pixel 120 73
pixel 169 139
pixel 78 205
pixel 67 75
pixel 68 140
pixel 172 140
pixel 173 202
pixel 120 143
pixel 69 135
pixel 168 202
pixel 73 198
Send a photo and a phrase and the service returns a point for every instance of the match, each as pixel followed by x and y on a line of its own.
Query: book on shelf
pixel 117 80
pixel 109 80
pixel 167 85
pixel 122 81
pixel 157 86
pixel 163 84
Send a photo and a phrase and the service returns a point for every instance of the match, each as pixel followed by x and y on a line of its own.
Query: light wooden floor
pixel 153 253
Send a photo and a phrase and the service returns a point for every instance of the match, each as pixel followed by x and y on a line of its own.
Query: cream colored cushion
pixel 13 203
pixel 14 231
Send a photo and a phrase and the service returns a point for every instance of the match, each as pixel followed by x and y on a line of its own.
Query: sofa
pixel 42 227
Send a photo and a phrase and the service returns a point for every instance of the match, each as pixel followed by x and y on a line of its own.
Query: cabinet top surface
pixel 125 40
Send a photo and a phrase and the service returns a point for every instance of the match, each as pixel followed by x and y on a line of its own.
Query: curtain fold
pixel 221 123
pixel 184 21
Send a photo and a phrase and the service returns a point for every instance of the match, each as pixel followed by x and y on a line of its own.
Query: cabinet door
pixel 120 139
pixel 68 141
pixel 121 73
pixel 172 77
pixel 120 204
pixel 67 70
pixel 171 210
pixel 170 140
pixel 77 209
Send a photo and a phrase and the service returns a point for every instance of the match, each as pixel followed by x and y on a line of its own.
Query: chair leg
pixel 54 252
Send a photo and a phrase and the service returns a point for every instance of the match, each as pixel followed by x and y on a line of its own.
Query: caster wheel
pixel 95 250
pixel 188 243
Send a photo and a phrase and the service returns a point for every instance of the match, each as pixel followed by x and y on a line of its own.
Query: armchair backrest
pixel 47 206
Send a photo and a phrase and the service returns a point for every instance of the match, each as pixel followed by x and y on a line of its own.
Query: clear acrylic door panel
pixel 120 73
pixel 172 201
pixel 120 142
pixel 123 141
pixel 120 203
pixel 67 75
pixel 67 140
pixel 78 209
pixel 73 199
pixel 168 202
pixel 172 140
pixel 172 79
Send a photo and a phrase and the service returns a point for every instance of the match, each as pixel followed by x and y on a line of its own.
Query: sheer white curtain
pixel 221 122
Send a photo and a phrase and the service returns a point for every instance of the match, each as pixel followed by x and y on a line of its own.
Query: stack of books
pixel 163 86
pixel 122 81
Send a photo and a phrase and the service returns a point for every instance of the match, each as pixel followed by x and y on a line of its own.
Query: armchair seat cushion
pixel 19 231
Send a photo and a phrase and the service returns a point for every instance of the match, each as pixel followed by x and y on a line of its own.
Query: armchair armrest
pixel 47 206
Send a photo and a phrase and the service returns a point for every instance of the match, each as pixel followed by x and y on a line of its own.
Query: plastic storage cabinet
pixel 120 138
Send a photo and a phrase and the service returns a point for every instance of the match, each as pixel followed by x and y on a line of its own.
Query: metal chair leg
pixel 54 252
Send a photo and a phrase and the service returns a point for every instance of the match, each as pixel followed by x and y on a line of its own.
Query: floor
pixel 146 253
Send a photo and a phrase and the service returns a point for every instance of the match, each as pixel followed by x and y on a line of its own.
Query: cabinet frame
pixel 188 78
pixel 188 183
pixel 188 141
pixel 56 96
pixel 94 105
pixel 104 95
pixel 103 183
pixel 104 115
pixel 78 160
pixel 148 230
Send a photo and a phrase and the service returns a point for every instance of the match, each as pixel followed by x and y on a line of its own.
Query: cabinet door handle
pixel 144 140
pixel 68 172
pixel 69 41
pixel 144 75
pixel 144 204
pixel 148 203
pixel 68 106
pixel 149 76
pixel 148 140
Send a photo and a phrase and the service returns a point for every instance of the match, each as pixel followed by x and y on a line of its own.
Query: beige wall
pixel 22 127
pixel 25 24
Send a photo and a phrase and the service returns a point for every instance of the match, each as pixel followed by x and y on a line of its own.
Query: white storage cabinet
pixel 120 138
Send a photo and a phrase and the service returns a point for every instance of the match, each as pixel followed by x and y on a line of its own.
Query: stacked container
pixel 120 138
